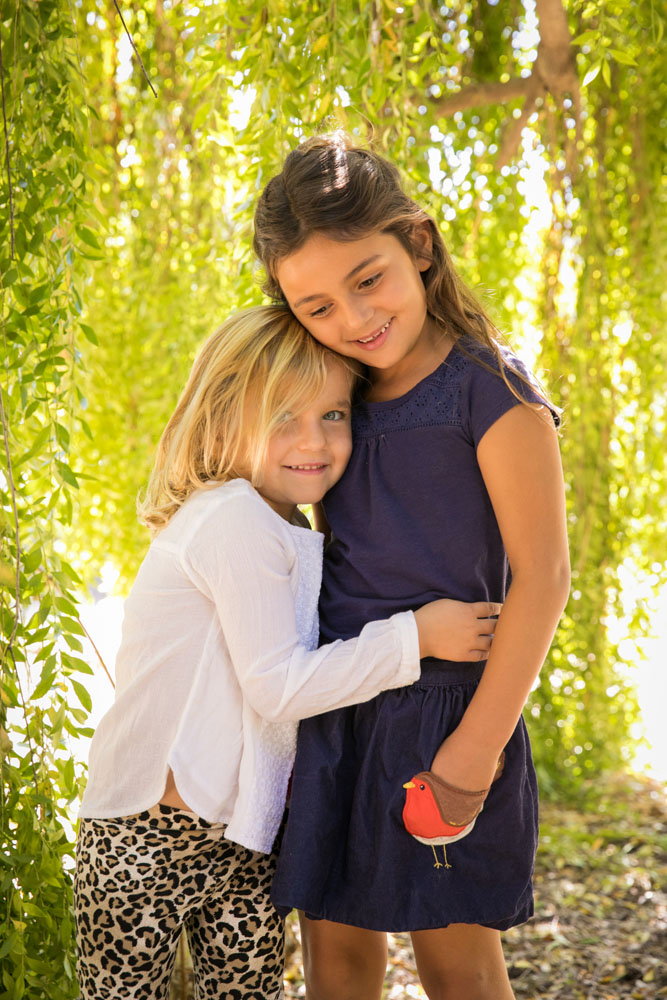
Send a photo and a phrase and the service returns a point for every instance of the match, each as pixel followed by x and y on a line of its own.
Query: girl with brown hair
pixel 454 481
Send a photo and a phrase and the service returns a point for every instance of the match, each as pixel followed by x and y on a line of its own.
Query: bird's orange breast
pixel 421 815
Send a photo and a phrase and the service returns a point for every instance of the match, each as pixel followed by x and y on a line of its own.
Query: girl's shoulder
pixel 230 516
pixel 470 388
pixel 216 511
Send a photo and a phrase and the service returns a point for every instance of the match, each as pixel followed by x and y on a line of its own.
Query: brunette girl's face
pixel 363 298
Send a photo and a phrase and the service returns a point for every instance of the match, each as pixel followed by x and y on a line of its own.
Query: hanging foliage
pixel 133 152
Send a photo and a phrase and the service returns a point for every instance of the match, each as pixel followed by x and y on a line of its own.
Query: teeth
pixel 308 467
pixel 367 340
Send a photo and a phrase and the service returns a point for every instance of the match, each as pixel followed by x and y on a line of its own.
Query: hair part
pixel 333 187
pixel 260 365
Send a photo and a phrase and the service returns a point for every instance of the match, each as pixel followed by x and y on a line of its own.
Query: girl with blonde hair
pixel 218 661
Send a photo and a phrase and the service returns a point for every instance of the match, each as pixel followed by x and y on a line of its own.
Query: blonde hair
pixel 258 367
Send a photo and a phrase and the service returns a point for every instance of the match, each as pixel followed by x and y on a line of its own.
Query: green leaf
pixel 31 560
pixel 45 684
pixel 586 37
pixel 622 57
pixel 82 694
pixel 592 73
pixel 89 333
pixel 88 236
pixel 201 115
pixel 67 475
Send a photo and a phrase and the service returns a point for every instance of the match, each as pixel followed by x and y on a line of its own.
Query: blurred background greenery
pixel 134 149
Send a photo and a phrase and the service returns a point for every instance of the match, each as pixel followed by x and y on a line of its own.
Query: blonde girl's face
pixel 309 451
pixel 362 298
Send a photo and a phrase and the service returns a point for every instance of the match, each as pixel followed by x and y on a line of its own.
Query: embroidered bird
pixel 437 813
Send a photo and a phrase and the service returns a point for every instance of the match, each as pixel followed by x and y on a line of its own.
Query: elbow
pixel 558 582
pixel 562 587
pixel 561 579
pixel 272 709
pixel 550 581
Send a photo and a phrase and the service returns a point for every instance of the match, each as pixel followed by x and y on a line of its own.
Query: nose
pixel 356 313
pixel 311 436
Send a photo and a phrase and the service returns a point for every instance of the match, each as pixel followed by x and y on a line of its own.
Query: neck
pixel 428 354
pixel 286 510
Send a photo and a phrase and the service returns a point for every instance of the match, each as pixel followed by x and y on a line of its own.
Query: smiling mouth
pixel 374 336
pixel 308 467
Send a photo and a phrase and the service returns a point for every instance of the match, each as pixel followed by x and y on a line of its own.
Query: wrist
pixel 463 766
pixel 423 632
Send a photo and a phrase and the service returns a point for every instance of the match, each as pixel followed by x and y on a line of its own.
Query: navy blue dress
pixel 412 522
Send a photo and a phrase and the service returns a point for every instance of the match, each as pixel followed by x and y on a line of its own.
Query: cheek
pixel 345 446
pixel 323 336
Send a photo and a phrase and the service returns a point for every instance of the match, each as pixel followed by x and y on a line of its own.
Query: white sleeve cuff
pixel 409 669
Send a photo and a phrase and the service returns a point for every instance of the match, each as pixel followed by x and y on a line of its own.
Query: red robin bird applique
pixel 437 813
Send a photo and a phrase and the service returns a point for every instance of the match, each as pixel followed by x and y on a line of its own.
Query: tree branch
pixel 115 3
pixel 554 69
pixel 512 136
pixel 9 172
pixel 17 535
pixel 484 93
pixel 97 652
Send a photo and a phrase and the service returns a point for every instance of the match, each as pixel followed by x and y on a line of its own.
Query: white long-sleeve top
pixel 218 662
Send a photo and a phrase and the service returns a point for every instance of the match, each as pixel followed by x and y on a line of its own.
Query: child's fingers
pixel 483 642
pixel 485 626
pixel 485 609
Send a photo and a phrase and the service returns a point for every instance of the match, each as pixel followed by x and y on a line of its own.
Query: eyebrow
pixel 355 270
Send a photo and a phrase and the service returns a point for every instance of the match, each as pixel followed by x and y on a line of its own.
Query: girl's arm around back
pixel 520 462
pixel 243 560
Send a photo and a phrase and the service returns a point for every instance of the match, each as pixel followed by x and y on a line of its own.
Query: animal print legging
pixel 141 879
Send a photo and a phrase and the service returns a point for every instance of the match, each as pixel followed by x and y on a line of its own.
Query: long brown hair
pixel 331 186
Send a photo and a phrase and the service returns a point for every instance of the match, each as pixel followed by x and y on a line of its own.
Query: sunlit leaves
pixel 133 220
pixel 40 305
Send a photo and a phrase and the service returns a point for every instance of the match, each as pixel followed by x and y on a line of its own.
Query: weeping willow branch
pixel 115 3
pixel 97 653
pixel 12 489
pixel 9 172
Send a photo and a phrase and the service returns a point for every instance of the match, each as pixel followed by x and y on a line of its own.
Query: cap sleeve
pixel 486 395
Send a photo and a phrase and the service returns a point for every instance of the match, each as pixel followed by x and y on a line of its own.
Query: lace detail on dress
pixel 434 401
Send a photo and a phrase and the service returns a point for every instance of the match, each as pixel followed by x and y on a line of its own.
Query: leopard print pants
pixel 141 879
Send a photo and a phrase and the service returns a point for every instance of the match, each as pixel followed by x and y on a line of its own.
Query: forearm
pixel 524 632
pixel 292 683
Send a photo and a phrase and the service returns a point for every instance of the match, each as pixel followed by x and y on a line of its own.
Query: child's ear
pixel 422 242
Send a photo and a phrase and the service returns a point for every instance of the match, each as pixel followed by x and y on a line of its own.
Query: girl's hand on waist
pixel 456 630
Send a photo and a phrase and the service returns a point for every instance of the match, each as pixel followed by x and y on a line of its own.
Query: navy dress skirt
pixel 412 522
pixel 347 856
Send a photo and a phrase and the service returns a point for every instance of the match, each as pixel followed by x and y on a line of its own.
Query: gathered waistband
pixel 446 673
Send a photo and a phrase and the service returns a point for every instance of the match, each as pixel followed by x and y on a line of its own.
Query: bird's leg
pixel 437 864
pixel 444 851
